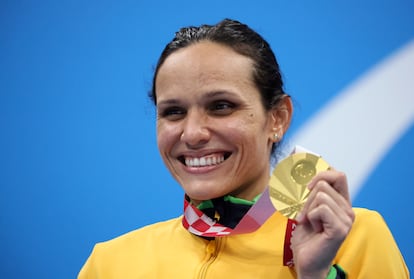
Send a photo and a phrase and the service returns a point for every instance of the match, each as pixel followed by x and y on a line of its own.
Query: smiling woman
pixel 221 113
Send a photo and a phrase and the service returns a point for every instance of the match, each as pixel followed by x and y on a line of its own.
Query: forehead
pixel 205 64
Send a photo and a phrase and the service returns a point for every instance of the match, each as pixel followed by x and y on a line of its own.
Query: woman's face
pixel 213 132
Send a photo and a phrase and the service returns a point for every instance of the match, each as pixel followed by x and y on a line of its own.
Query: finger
pixel 324 219
pixel 330 219
pixel 325 187
pixel 323 193
pixel 336 179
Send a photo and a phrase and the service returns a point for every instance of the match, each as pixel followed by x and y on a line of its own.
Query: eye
pixel 172 113
pixel 222 107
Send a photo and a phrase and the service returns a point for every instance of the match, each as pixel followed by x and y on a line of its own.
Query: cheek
pixel 246 129
pixel 252 136
pixel 166 135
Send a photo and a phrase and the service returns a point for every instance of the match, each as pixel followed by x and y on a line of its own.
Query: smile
pixel 205 161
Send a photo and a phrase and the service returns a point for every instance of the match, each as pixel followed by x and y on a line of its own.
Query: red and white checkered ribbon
pixel 198 223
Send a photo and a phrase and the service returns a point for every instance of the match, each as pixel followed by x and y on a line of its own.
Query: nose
pixel 195 129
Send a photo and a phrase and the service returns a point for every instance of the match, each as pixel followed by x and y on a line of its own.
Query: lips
pixel 204 161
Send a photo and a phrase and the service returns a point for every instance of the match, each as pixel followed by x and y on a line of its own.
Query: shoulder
pixel 370 248
pixel 126 250
pixel 368 224
pixel 139 242
pixel 143 235
pixel 369 231
pixel 120 255
pixel 368 221
pixel 367 216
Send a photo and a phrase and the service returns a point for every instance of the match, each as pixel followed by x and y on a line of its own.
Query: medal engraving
pixel 303 172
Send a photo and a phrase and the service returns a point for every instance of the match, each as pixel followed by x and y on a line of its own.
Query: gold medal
pixel 288 182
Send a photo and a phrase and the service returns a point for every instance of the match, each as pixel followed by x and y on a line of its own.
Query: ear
pixel 281 115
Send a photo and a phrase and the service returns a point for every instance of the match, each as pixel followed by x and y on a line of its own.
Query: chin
pixel 203 195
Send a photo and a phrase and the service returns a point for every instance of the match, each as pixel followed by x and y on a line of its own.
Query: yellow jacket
pixel 168 250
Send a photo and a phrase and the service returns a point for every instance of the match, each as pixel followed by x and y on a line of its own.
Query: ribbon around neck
pixel 198 223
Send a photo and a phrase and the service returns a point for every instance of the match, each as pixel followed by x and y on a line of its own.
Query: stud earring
pixel 275 137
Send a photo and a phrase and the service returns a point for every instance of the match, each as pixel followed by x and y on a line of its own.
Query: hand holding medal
pixel 288 190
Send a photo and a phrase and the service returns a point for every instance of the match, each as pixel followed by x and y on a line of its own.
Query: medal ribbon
pixel 198 223
pixel 287 251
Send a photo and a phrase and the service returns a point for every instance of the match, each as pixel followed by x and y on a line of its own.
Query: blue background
pixel 78 156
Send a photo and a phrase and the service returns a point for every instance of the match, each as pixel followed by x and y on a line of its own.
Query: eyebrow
pixel 208 95
pixel 217 93
pixel 168 102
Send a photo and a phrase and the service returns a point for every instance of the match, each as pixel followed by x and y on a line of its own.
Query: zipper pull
pixel 211 247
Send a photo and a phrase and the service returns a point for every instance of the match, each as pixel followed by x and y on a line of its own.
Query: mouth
pixel 204 161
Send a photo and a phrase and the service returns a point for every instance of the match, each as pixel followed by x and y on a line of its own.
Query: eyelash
pixel 172 111
pixel 218 108
pixel 225 107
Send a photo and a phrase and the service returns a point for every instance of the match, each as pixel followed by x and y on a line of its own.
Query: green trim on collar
pixel 231 199
pixel 205 204
pixel 332 273
pixel 241 201
pixel 336 271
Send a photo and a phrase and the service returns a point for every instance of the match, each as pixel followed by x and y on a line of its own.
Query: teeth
pixel 204 161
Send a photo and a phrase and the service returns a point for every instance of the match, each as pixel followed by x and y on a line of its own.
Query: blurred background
pixel 78 156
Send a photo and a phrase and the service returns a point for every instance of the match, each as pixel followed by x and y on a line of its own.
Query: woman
pixel 221 113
